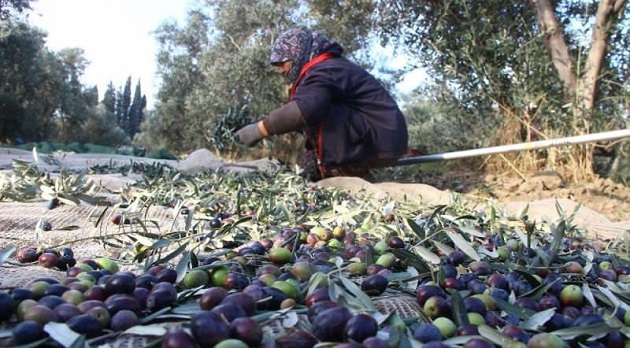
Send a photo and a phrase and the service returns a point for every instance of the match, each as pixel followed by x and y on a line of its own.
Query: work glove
pixel 249 135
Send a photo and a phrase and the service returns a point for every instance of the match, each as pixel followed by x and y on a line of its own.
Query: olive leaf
pixel 588 295
pixel 411 259
pixel 160 243
pixel 613 299
pixel 69 228
pixel 355 296
pixel 188 308
pixel 458 341
pixel 463 245
pixel 61 333
pixel 494 335
pixel 539 319
pixel 325 345
pixel 6 253
pixel 520 312
pixel 460 315
pixel 415 228
pixel 537 292
pixel 147 330
pixel 524 238
pixel 68 199
pixel 397 329
pixel 590 330
pixel 443 248
pixel 472 232
pixel 182 266
pixel 527 274
pixel 170 256
pixel 557 233
pixel 427 255
pixel 317 280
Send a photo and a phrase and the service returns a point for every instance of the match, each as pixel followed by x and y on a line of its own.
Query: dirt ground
pixel 601 195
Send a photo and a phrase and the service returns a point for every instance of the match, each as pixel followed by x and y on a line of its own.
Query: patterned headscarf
pixel 299 46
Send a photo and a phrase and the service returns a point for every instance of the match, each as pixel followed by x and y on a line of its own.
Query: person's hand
pixel 249 135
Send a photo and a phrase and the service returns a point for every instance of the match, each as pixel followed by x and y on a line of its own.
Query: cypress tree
pixel 136 111
pixel 123 104
pixel 109 98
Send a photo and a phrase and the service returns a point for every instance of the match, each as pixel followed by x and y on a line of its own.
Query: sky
pixel 117 39
pixel 114 34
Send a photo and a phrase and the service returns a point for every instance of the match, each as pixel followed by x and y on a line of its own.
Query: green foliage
pixel 109 99
pixel 218 60
pixel 482 57
pixel 75 97
pixel 20 71
pixel 77 147
pixel 209 67
pixel 162 153
pixel 348 22
pixel 166 132
pixel 129 113
pixel 136 111
pixel 435 127
pixel 492 58
pixel 101 128
pixel 221 136
pixel 41 94
pixel 489 63
pixel 10 8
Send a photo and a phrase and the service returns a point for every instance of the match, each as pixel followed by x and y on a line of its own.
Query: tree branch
pixel 238 48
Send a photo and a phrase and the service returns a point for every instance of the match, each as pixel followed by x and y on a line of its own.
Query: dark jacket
pixel 352 118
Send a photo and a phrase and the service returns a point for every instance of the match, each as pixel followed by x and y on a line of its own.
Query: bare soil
pixel 601 195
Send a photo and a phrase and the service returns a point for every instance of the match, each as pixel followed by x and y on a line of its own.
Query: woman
pixel 350 121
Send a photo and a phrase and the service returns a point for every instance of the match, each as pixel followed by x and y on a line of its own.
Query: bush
pixel 46 147
pixel 162 153
pixel 93 148
pixel 77 147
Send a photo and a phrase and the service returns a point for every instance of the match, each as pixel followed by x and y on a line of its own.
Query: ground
pixel 605 205
pixel 601 195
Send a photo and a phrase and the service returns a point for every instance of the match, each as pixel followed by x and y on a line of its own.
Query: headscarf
pixel 300 46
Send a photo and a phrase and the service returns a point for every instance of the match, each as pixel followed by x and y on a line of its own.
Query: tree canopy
pixel 42 97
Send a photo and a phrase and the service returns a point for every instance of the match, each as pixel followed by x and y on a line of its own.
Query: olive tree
pixel 563 64
pixel 215 68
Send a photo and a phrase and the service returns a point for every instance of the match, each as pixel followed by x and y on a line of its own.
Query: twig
pixel 513 167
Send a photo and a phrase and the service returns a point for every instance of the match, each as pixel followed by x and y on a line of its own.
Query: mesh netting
pixel 22 276
pixel 405 306
pixel 81 227
pixel 132 340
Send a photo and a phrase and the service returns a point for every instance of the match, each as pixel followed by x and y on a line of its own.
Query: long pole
pixel 541 144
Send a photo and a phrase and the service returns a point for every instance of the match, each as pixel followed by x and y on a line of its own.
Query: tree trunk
pixel 555 43
pixel 587 84
pixel 580 85
pixel 584 88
